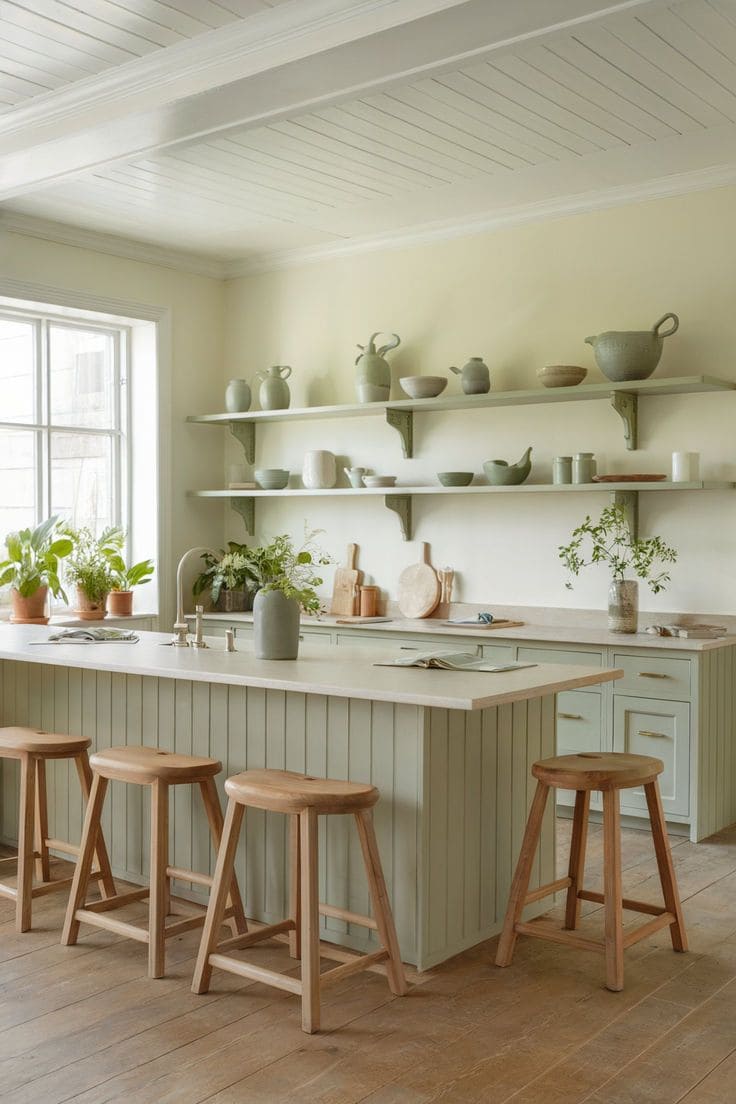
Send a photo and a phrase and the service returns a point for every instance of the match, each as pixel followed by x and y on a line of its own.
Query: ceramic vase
pixel 274 393
pixel 623 605
pixel 319 470
pixel 30 610
pixel 275 625
pixel 237 396
pixel 373 379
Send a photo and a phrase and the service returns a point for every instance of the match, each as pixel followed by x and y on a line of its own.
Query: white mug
pixel 685 467
pixel 319 470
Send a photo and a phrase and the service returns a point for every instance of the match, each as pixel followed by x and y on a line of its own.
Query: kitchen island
pixel 449 751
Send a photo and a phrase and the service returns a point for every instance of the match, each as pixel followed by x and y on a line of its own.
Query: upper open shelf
pixel 399 413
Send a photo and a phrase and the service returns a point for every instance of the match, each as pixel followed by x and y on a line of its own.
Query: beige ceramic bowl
pixel 423 387
pixel 561 375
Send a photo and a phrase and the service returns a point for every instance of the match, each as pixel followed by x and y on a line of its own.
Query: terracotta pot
pixel 87 610
pixel 30 610
pixel 120 603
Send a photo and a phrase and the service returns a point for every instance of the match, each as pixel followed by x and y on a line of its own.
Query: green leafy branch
pixel 609 541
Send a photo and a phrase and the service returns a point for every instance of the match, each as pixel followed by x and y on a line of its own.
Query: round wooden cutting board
pixel 419 588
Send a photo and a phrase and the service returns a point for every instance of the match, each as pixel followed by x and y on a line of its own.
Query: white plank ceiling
pixel 631 97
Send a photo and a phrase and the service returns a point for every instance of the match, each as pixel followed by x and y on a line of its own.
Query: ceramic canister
pixel 685 467
pixel 319 470
pixel 583 467
pixel 562 469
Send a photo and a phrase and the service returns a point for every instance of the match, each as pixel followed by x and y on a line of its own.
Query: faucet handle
pixel 181 635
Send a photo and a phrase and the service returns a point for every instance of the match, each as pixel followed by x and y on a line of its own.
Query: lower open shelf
pixel 399 498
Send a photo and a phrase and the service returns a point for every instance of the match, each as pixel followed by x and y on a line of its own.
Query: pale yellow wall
pixel 521 297
pixel 195 320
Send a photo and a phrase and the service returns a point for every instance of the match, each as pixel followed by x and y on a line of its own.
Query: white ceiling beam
pixel 288 59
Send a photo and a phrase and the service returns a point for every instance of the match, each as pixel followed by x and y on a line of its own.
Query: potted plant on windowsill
pixel 124 578
pixel 609 541
pixel 88 568
pixel 229 578
pixel 32 570
pixel 286 579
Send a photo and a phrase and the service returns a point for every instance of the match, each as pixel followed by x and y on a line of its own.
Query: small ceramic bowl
pixel 561 375
pixel 272 479
pixel 379 480
pixel 423 387
pixel 455 479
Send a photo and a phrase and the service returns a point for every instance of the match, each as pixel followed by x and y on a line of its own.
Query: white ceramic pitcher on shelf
pixel 319 471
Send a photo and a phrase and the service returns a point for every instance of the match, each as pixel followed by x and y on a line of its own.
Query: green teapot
pixel 374 373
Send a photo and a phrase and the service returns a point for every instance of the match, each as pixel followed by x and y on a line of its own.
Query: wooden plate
pixel 628 478
pixel 419 588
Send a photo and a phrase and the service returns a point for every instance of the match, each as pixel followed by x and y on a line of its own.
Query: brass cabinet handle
pixel 570 717
pixel 653 674
pixel 660 735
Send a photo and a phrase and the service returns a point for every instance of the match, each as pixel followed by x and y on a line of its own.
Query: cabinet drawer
pixel 653 677
pixel 661 729
pixel 553 655
pixel 498 653
pixel 579 728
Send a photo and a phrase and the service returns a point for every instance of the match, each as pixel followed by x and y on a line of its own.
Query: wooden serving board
pixel 345 589
pixel 419 588
pixel 481 625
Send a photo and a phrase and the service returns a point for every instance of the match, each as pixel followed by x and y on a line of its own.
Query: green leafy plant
pixel 280 566
pixel 609 541
pixel 89 565
pixel 232 570
pixel 33 557
pixel 123 577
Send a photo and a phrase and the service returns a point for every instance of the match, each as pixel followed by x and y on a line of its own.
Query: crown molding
pixel 113 245
pixel 661 188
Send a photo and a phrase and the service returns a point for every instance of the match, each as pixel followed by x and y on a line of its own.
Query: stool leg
pixel 26 823
pixel 381 904
pixel 91 832
pixel 105 881
pixel 576 867
pixel 665 865
pixel 520 883
pixel 212 807
pixel 308 831
pixel 295 905
pixel 221 883
pixel 159 897
pixel 613 911
pixel 43 872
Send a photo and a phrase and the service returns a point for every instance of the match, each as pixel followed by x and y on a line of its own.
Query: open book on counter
pixel 451 661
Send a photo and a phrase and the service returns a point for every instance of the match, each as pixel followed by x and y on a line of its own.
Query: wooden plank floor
pixel 85 1024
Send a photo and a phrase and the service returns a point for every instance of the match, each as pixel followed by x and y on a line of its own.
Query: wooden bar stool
pixel 583 773
pixel 32 748
pixel 145 766
pixel 304 799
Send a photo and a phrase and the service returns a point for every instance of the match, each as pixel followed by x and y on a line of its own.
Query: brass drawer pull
pixel 570 717
pixel 653 674
pixel 659 735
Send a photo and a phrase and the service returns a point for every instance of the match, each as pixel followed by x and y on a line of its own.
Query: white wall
pixel 191 336
pixel 522 298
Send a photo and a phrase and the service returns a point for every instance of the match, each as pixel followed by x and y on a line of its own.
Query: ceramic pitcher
pixel 274 390
pixel 475 378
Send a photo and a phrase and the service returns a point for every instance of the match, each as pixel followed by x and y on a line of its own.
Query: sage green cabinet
pixel 643 726
pixel 653 676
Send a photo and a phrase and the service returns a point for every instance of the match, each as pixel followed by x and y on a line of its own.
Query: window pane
pixel 82 479
pixel 82 377
pixel 17 481
pixel 17 375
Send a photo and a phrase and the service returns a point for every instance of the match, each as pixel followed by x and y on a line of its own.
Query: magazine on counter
pixel 90 636
pixel 451 661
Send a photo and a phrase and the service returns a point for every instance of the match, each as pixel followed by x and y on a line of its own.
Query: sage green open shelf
pixel 399 413
pixel 399 499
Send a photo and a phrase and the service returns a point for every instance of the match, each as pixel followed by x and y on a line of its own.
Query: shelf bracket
pixel 403 422
pixel 629 500
pixel 626 406
pixel 245 432
pixel 401 506
pixel 246 507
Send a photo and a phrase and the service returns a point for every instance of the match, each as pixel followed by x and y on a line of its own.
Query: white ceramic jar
pixel 319 470
pixel 685 467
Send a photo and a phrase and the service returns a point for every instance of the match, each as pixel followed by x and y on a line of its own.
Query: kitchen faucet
pixel 181 629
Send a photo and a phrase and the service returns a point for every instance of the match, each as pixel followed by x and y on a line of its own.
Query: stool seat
pixel 597 770
pixel 289 792
pixel 145 765
pixel 16 741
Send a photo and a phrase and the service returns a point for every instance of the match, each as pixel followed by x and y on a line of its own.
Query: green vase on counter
pixel 275 625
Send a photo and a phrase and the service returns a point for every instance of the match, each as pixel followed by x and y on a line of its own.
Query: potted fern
pixel 88 568
pixel 31 569
pixel 609 541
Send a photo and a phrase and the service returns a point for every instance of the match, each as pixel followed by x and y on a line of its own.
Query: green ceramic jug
pixel 474 376
pixel 374 373
pixel 274 391
pixel 631 354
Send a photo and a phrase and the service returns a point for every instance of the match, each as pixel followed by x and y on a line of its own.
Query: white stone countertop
pixel 529 632
pixel 349 673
